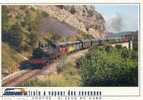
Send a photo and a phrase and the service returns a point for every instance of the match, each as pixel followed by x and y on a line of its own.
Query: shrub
pixel 44 14
pixel 102 68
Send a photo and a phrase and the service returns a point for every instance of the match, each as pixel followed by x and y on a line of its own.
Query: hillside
pixel 50 24
pixel 24 26
pixel 83 18
pixel 10 59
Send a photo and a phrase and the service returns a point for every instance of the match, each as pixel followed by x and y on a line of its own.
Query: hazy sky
pixel 119 17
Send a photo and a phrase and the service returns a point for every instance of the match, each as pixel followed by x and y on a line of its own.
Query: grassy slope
pixel 10 58
pixel 68 76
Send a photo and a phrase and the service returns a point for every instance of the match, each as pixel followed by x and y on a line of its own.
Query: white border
pixel 130 92
pixel 70 1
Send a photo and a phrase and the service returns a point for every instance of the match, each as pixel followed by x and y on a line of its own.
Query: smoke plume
pixel 115 23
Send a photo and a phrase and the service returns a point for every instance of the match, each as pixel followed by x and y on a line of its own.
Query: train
pixel 46 53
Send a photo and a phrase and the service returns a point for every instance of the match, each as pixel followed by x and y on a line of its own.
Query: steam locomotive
pixel 46 53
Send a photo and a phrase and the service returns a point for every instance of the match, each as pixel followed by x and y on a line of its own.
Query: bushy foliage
pixel 10 59
pixel 20 26
pixel 109 67
pixel 44 14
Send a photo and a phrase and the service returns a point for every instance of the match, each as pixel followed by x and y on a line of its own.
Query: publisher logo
pixel 14 91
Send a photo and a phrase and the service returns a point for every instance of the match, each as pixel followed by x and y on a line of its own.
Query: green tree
pixel 103 68
pixel 14 37
pixel 5 19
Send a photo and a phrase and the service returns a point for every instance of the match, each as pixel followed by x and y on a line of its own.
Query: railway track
pixel 19 78
pixel 12 76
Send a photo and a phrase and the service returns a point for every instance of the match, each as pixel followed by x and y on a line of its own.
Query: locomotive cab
pixel 50 50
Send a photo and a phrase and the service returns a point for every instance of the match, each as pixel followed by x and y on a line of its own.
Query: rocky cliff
pixel 84 18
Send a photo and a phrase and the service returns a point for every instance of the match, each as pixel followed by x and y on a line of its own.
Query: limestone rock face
pixel 82 17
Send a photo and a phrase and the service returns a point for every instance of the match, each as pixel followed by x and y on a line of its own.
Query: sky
pixel 119 17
